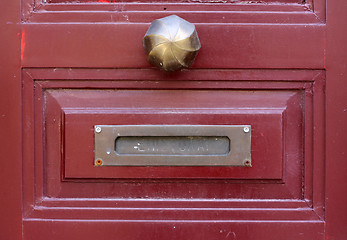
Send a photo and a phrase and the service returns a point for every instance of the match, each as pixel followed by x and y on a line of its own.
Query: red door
pixel 272 69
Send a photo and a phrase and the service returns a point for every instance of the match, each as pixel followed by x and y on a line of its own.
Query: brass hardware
pixel 173 145
pixel 98 129
pixel 98 162
pixel 171 43
pixel 248 163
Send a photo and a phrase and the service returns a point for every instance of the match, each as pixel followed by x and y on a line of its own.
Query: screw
pixel 98 162
pixel 248 163
pixel 246 129
pixel 98 129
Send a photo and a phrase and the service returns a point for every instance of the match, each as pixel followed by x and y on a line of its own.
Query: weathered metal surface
pixel 172 145
pixel 171 43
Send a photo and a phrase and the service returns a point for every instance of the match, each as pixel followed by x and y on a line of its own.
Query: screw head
pixel 246 129
pixel 98 162
pixel 98 129
pixel 247 163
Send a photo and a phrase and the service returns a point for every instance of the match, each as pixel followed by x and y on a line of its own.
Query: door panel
pixel 247 45
pixel 282 106
pixel 66 104
pixel 108 107
pixel 261 64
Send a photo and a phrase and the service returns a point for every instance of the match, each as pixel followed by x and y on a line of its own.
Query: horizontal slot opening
pixel 173 145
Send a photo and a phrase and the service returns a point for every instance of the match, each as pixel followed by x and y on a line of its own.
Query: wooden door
pixel 277 66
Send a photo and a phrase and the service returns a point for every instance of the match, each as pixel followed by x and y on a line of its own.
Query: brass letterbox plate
pixel 173 145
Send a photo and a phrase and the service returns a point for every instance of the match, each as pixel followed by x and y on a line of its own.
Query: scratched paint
pixel 22 44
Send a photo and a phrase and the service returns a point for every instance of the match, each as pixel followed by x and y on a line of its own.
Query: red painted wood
pixel 336 165
pixel 234 230
pixel 266 166
pixel 157 6
pixel 138 9
pixel 295 46
pixel 176 203
pixel 266 115
pixel 272 47
pixel 315 7
pixel 168 214
pixel 55 198
pixel 286 78
pixel 193 16
pixel 10 120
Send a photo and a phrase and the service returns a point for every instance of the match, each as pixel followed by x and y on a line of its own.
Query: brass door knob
pixel 171 43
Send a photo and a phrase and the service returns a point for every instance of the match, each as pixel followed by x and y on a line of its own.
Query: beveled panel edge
pixel 127 12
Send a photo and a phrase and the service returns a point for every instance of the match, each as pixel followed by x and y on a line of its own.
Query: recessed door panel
pixel 267 112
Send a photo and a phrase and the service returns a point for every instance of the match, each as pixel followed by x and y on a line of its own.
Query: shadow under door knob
pixel 171 43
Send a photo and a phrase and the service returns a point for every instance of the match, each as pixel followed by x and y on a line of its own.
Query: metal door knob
pixel 171 43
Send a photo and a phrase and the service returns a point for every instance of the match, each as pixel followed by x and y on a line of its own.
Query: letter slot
pixel 172 145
